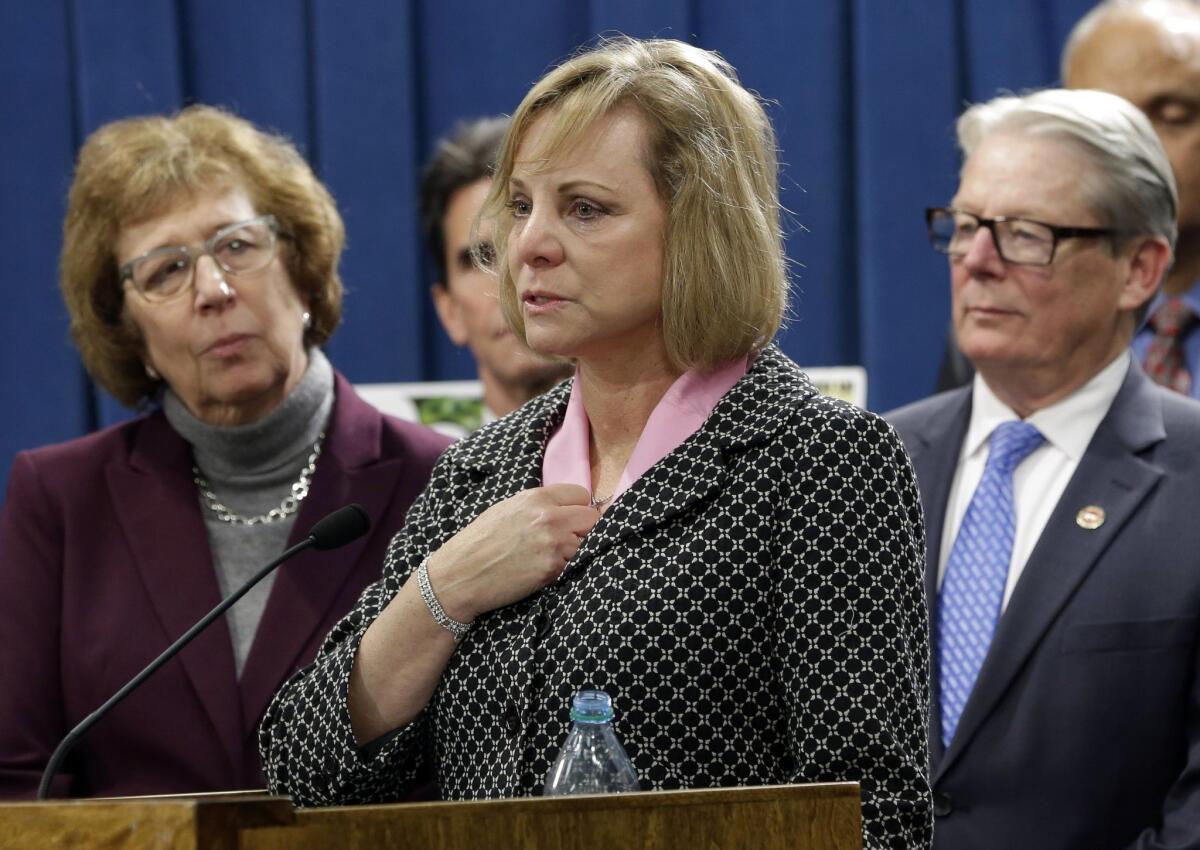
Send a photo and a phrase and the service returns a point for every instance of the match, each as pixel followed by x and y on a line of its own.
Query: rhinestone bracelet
pixel 459 630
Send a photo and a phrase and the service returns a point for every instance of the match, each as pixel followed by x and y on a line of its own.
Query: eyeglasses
pixel 242 248
pixel 1021 241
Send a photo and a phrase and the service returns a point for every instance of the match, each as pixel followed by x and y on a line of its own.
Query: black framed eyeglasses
pixel 1021 241
pixel 241 248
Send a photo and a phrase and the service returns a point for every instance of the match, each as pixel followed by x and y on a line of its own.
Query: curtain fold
pixel 863 94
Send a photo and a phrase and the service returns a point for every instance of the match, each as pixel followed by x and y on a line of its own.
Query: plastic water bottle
pixel 592 761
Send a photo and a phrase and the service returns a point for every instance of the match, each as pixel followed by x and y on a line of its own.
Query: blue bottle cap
pixel 591 707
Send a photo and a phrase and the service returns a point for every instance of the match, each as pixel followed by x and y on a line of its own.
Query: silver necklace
pixel 599 503
pixel 289 505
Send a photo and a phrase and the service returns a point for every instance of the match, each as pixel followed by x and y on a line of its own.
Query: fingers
pixel 579 519
pixel 513 548
pixel 554 520
pixel 566 494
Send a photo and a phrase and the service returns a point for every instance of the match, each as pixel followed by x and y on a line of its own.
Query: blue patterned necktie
pixel 977 571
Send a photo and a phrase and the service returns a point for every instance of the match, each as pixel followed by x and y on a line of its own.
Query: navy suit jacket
pixel 1083 730
pixel 104 560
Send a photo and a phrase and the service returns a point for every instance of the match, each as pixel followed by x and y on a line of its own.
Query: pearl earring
pixel 151 373
pixel 306 320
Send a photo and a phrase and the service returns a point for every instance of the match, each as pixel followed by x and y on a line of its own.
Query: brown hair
pixel 712 157
pixel 137 168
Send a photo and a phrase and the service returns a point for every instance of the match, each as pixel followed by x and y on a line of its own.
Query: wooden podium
pixel 796 817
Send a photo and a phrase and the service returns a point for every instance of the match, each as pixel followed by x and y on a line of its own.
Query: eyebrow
pixel 1036 218
pixel 567 187
pixel 211 233
pixel 1173 96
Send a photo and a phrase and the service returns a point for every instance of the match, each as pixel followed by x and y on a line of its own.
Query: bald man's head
pixel 1148 52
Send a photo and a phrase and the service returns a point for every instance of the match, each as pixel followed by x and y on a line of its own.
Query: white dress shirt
pixel 1040 479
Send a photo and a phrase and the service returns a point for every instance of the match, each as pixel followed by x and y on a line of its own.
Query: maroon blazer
pixel 104 561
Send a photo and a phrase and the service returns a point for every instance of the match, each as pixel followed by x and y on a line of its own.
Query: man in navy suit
pixel 1061 493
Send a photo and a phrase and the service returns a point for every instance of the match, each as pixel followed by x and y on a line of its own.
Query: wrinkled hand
pixel 511 550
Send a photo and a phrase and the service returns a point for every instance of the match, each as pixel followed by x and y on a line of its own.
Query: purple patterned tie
pixel 977 571
pixel 1164 358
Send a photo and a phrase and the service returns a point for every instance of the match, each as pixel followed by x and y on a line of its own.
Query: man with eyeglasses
pixel 1148 52
pixel 1060 492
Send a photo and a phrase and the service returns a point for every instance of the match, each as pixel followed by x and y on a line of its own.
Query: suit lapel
pixel 1111 475
pixel 675 486
pixel 156 503
pixel 945 426
pixel 309 585
pixel 751 412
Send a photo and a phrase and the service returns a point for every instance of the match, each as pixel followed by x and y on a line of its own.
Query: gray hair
pixel 1132 187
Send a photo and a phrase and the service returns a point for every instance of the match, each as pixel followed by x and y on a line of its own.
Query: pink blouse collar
pixel 678 415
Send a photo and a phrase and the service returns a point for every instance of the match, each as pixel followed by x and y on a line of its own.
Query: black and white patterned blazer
pixel 754 605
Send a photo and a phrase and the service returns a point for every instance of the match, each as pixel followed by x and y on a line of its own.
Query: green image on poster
pixel 465 413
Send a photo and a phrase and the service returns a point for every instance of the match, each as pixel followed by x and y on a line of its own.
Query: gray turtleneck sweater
pixel 251 468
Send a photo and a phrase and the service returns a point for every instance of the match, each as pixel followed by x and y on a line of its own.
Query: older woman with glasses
pixel 688 525
pixel 199 267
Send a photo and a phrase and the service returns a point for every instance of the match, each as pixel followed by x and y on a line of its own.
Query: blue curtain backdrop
pixel 863 94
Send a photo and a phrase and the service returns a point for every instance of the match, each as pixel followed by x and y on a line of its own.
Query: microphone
pixel 337 529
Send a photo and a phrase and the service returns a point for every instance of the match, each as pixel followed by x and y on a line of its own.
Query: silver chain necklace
pixel 289 505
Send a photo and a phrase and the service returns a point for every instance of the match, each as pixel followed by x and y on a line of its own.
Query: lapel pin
pixel 1090 518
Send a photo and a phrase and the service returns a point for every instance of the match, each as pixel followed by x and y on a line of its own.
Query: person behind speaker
pixel 199 267
pixel 1148 52
pixel 1059 491
pixel 453 186
pixel 686 524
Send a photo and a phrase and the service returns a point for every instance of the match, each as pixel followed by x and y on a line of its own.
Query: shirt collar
pixel 679 414
pixel 1068 424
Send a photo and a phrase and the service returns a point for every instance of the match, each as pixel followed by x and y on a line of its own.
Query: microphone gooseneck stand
pixel 337 529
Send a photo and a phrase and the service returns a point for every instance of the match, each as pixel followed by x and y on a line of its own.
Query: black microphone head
pixel 340 527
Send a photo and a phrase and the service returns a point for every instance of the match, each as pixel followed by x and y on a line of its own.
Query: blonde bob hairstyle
pixel 136 169
pixel 712 157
